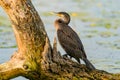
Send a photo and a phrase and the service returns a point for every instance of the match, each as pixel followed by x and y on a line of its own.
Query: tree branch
pixel 30 35
pixel 11 69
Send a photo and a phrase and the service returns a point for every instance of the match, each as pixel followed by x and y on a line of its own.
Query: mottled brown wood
pixel 30 36
pixel 35 58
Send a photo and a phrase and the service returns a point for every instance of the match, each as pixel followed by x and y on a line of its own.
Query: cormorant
pixel 69 39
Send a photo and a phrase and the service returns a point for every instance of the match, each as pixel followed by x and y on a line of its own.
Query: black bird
pixel 69 39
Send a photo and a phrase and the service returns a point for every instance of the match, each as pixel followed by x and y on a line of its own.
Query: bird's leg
pixel 70 57
pixel 78 60
pixel 65 55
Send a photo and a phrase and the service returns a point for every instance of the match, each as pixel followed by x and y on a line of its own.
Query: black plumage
pixel 69 39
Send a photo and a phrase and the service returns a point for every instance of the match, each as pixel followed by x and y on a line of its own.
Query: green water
pixel 96 21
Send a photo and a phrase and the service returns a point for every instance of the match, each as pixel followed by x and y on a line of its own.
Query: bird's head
pixel 64 16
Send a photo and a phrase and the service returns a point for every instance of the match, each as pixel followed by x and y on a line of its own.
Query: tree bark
pixel 35 58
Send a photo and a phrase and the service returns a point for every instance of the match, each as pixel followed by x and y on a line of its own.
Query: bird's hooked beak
pixel 57 14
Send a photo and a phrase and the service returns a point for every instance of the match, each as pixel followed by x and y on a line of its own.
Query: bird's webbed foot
pixel 66 55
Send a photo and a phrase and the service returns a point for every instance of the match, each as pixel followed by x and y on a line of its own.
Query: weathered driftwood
pixel 35 58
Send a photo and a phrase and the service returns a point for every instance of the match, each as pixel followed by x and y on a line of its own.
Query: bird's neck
pixel 66 20
pixel 59 23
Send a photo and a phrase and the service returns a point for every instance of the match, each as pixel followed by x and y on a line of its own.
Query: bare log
pixel 35 58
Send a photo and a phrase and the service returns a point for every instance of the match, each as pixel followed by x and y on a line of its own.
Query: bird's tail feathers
pixel 89 64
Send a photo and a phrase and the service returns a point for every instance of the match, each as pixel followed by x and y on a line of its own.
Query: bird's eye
pixel 60 21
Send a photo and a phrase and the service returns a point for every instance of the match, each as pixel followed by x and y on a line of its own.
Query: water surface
pixel 96 21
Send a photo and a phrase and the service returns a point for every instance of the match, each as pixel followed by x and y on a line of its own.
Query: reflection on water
pixel 96 22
